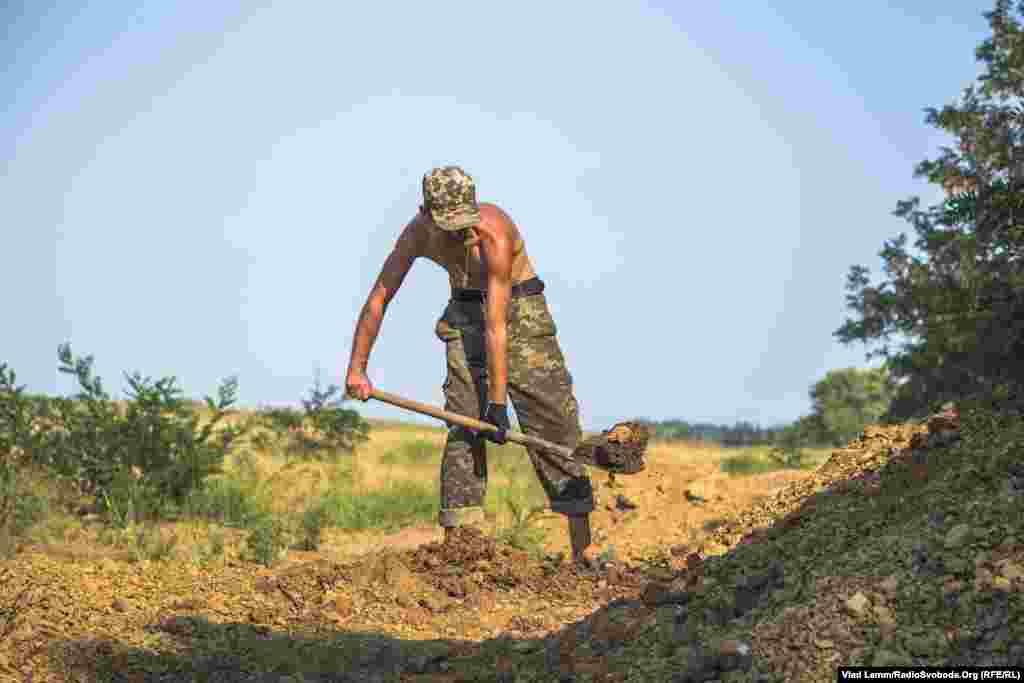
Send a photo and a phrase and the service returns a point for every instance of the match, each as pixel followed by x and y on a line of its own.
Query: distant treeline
pixel 843 403
pixel 739 434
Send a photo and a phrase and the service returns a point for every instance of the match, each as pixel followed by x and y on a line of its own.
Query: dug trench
pixel 905 547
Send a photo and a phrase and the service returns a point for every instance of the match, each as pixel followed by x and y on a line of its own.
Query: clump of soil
pixel 619 450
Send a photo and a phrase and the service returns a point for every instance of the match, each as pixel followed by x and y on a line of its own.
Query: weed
pixel 522 533
pixel 267 541
pixel 313 521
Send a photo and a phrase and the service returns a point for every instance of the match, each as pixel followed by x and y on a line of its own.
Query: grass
pixel 265 503
pixel 401 503
pixel 416 452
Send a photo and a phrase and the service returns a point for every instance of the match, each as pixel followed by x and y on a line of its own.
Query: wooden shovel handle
pixel 468 422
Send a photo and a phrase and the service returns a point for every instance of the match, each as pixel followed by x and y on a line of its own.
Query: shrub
pixel 146 456
pixel 267 541
pixel 320 431
pixel 20 440
pixel 313 521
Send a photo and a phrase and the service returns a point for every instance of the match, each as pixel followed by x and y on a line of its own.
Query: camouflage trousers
pixel 541 392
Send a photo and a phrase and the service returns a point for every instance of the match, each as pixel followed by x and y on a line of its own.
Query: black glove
pixel 497 415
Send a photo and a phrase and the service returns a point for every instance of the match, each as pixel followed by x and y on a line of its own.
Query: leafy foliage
pixel 957 310
pixel 321 430
pixel 847 400
pixel 18 441
pixel 139 459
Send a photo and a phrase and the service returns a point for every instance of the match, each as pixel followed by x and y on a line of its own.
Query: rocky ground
pixel 905 547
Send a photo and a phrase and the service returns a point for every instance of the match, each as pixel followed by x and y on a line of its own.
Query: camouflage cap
pixel 450 195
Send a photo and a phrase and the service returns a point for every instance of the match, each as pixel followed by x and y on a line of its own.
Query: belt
pixel 525 288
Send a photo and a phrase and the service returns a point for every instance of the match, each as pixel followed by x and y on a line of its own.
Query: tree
pixel 847 400
pixel 959 308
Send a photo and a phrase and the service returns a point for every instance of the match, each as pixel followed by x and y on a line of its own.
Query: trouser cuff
pixel 573 507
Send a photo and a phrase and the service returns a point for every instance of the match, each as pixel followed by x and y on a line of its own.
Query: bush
pixel 313 521
pixel 139 460
pixel 320 431
pixel 267 541
pixel 20 440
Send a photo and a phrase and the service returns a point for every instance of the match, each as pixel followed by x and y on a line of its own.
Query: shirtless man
pixel 500 345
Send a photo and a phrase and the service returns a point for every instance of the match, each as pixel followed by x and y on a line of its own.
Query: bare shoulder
pixel 493 212
pixel 413 235
pixel 500 224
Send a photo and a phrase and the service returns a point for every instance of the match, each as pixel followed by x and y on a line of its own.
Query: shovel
pixel 619 450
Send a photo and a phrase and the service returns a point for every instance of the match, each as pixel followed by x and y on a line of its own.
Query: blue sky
pixel 212 187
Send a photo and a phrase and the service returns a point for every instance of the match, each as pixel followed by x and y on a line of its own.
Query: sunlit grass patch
pixel 416 452
pixel 400 503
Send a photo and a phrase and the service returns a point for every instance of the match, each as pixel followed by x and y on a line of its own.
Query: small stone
pixel 623 503
pixel 953 587
pixel 715 548
pixel 890 585
pixel 733 655
pixel 957 536
pixel 857 605
pixel 1001 583
pixel 1011 570
pixel 697 492
pixel 884 615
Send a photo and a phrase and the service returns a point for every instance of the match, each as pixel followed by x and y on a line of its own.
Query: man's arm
pixel 497 254
pixel 395 268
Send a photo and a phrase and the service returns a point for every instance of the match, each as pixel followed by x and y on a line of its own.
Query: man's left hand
pixel 497 415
